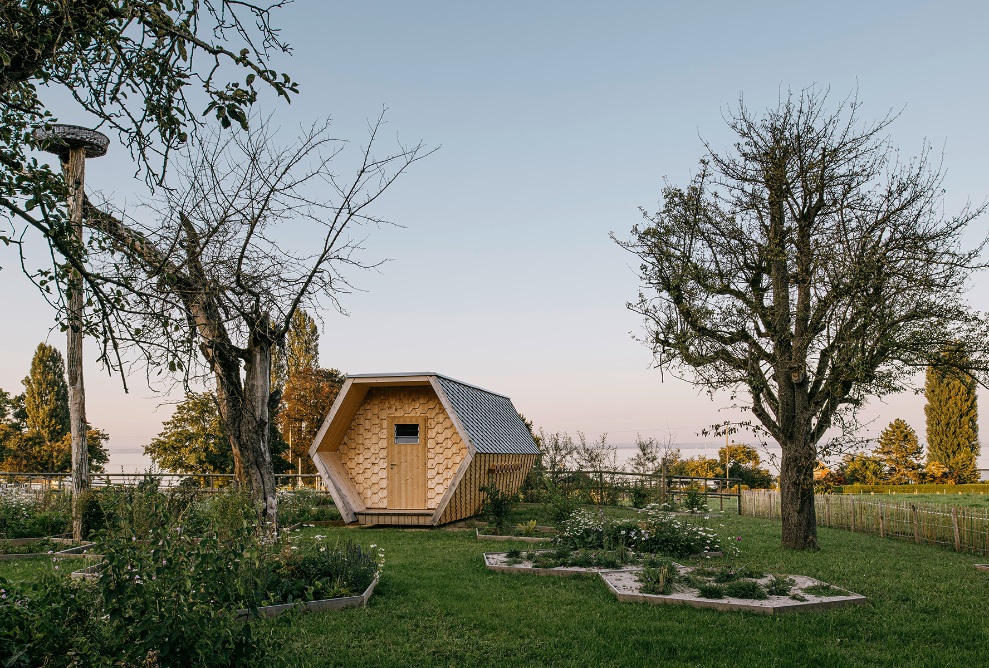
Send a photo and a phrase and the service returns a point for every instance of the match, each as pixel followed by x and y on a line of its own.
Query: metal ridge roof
pixel 492 423
pixel 401 374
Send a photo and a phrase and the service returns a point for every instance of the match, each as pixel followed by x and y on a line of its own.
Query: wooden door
pixel 406 465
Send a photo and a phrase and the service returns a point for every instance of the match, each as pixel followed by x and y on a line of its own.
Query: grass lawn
pixel 438 605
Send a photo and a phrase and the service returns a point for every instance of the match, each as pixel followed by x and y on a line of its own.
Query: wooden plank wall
pixel 959 528
pixel 506 471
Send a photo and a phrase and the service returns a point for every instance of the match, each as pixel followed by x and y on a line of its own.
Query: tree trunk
pixel 245 412
pixel 797 496
pixel 73 172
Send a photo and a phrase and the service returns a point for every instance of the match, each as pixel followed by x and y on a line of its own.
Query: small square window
pixel 407 433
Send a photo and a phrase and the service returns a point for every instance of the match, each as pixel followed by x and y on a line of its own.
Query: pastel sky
pixel 555 122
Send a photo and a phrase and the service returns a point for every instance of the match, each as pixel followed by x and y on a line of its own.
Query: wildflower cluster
pixel 653 531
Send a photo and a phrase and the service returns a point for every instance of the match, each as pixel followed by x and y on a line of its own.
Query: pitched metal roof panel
pixel 492 423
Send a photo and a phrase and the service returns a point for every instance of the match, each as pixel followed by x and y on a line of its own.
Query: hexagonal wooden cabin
pixel 415 448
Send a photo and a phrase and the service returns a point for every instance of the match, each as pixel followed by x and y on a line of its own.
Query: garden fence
pixel 962 529
pixel 622 487
pixel 40 482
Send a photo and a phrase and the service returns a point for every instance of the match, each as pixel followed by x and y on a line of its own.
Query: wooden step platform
pixel 393 517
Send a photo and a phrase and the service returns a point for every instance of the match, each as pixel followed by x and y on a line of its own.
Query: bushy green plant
pixel 642 495
pixel 710 590
pixel 653 531
pixel 695 500
pixel 497 505
pixel 562 505
pixel 526 528
pixel 747 589
pixel 311 570
pixel 25 515
pixel 780 585
pixel 659 578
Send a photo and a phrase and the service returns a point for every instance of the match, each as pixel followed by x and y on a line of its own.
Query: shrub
pixel 654 531
pixel 659 578
pixel 748 589
pixel 708 590
pixel 641 495
pixel 497 505
pixel 311 570
pixel 25 515
pixel 695 500
pixel 779 585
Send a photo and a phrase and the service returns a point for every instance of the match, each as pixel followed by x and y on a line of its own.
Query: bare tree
pixel 559 452
pixel 812 268
pixel 245 235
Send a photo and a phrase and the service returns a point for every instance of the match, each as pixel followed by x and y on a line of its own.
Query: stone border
pixel 524 539
pixel 982 567
pixel 491 561
pixel 341 603
pixel 625 586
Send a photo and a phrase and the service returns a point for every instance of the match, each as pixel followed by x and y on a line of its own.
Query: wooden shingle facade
pixel 415 449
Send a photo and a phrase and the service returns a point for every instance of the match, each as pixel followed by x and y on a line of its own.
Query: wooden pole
pixel 74 172
pixel 916 525
pixel 882 524
pixel 954 523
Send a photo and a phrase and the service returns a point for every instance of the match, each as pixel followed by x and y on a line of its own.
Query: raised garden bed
pixel 25 548
pixel 550 531
pixel 502 562
pixel 341 603
pixel 805 593
pixel 982 567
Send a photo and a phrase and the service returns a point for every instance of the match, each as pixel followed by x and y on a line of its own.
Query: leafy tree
pixel 34 431
pixel 743 462
pixel 700 467
pixel 309 394
pixel 301 344
pixel 46 395
pixel 132 65
pixel 194 439
pixel 862 468
pixel 811 269
pixel 900 452
pixel 952 421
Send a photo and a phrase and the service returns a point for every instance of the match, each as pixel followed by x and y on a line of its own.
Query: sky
pixel 554 123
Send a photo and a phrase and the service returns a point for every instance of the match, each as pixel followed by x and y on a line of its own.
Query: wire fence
pixel 959 528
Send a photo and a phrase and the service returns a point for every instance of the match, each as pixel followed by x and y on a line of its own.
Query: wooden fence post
pixel 916 525
pixel 853 513
pixel 882 523
pixel 958 537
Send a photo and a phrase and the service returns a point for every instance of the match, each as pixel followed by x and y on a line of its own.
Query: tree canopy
pixel 900 451
pixel 34 426
pixel 140 68
pixel 952 422
pixel 810 268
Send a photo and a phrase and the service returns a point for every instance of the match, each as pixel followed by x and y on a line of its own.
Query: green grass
pixel 437 605
pixel 33 568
